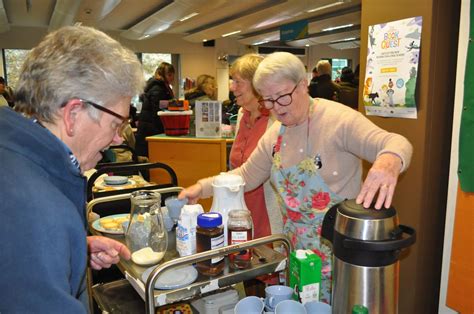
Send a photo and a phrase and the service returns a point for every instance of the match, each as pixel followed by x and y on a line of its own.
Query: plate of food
pixel 112 224
pixel 173 278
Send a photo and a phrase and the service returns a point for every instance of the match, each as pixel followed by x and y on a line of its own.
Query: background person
pixel 206 89
pixel 157 88
pixel 73 97
pixel 6 94
pixel 312 156
pixel 326 88
pixel 313 84
pixel 252 122
pixel 349 91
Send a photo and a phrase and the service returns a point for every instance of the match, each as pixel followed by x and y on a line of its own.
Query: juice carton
pixel 305 273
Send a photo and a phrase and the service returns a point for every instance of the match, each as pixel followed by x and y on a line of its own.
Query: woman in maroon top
pixel 253 121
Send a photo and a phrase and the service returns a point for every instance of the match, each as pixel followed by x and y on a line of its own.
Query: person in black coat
pixel 313 84
pixel 326 88
pixel 157 88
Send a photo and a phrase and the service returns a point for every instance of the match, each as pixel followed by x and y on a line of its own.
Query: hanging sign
pixel 393 54
pixel 294 31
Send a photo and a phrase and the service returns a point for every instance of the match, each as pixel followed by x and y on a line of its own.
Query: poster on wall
pixel 392 68
pixel 208 118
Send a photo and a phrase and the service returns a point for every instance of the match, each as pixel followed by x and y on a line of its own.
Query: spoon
pixel 261 258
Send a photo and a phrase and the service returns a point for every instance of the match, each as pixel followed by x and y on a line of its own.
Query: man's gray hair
pixel 324 67
pixel 76 62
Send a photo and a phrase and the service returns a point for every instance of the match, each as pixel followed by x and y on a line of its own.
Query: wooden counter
pixel 190 157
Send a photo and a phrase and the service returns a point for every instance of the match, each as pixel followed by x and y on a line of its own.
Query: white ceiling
pixel 257 20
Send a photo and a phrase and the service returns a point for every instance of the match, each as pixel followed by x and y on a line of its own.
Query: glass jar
pixel 240 230
pixel 209 236
pixel 146 236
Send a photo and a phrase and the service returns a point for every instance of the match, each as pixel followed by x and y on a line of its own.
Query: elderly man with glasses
pixel 73 98
pixel 312 156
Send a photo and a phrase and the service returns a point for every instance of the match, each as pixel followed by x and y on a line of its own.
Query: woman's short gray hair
pixel 76 62
pixel 279 66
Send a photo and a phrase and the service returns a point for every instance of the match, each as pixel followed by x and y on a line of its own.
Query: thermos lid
pixel 209 220
pixel 357 222
pixel 351 209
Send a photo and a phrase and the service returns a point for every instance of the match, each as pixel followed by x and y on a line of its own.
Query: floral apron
pixel 304 199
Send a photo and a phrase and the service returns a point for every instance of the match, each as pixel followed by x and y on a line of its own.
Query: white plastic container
pixel 186 229
pixel 222 303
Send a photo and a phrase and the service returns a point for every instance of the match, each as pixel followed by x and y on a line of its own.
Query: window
pixel 151 61
pixel 337 65
pixel 13 60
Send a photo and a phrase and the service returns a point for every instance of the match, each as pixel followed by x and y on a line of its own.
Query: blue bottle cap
pixel 209 220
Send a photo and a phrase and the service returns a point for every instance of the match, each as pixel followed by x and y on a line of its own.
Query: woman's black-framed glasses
pixel 283 100
pixel 103 109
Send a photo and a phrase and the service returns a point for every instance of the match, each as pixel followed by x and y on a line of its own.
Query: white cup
pixel 276 294
pixel 290 307
pixel 249 305
pixel 317 307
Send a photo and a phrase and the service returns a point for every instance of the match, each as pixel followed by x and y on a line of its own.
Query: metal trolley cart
pixel 127 295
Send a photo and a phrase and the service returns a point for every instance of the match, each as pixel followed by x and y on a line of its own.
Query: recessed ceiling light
pixel 345 39
pixel 260 42
pixel 187 17
pixel 325 6
pixel 231 33
pixel 337 27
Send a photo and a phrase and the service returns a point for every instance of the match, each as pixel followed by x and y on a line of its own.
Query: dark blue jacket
pixel 43 224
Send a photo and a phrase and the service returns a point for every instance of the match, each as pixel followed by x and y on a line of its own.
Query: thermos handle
pixel 388 245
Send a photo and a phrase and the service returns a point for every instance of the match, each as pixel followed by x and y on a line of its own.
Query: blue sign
pixel 294 31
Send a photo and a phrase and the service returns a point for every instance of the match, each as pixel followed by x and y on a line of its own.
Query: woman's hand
pixel 104 252
pixel 382 178
pixel 193 193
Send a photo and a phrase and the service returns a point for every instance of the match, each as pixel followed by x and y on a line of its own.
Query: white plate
pixel 102 185
pixel 97 226
pixel 115 180
pixel 174 278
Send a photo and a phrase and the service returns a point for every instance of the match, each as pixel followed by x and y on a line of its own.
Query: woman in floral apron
pixel 312 156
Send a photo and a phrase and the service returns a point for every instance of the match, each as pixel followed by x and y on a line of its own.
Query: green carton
pixel 305 272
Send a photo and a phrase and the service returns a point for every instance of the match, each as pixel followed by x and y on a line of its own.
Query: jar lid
pixel 209 220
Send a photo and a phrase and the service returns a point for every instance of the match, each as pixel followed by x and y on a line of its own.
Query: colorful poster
pixel 392 68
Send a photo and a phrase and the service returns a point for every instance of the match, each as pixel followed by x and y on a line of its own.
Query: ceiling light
pixel 231 33
pixel 187 17
pixel 307 45
pixel 345 39
pixel 325 6
pixel 337 27
pixel 261 42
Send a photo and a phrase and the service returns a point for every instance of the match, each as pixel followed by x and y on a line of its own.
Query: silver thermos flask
pixel 366 246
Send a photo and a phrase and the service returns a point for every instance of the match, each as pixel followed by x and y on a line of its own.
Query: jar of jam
pixel 240 230
pixel 209 236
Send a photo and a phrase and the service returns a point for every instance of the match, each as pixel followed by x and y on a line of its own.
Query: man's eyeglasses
pixel 283 100
pixel 124 120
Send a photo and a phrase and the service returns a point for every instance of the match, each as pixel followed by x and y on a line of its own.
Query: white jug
pixel 228 194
